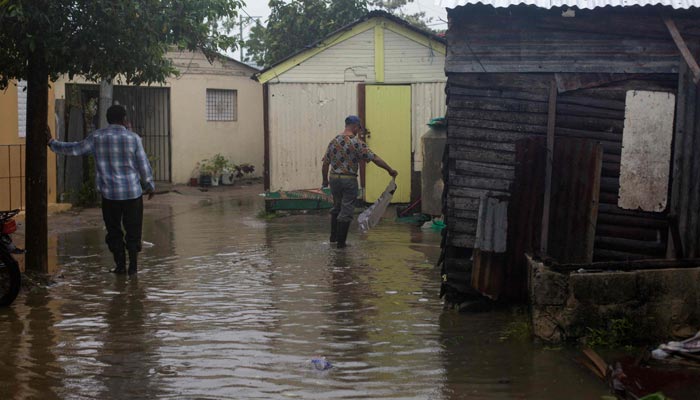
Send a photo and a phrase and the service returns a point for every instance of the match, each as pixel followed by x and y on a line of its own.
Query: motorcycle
pixel 10 276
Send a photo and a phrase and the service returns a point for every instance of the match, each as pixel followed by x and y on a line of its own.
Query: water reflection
pixel 230 306
pixel 129 351
pixel 29 366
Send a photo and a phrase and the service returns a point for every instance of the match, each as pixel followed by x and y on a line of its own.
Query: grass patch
pixel 520 328
pixel 267 215
pixel 618 333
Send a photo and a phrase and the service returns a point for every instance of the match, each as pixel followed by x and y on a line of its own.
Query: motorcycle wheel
pixel 10 279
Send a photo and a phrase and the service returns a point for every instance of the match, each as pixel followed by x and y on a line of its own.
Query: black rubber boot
pixel 334 228
pixel 343 227
pixel 120 261
pixel 133 262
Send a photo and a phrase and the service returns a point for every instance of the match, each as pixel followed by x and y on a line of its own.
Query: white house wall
pixel 428 101
pixel 409 61
pixel 350 60
pixel 193 138
pixel 304 117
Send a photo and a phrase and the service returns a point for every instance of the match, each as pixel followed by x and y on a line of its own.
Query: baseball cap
pixel 353 119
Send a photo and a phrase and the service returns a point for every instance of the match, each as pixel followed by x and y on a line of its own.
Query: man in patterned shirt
pixel 343 158
pixel 121 165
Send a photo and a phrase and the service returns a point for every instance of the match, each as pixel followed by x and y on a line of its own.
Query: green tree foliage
pixel 99 39
pixel 104 38
pixel 295 24
pixel 396 7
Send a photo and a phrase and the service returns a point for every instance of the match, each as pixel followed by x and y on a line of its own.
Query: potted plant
pixel 244 170
pixel 205 173
pixel 213 168
pixel 228 175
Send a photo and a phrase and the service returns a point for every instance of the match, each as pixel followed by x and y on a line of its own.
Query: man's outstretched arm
pixel 324 173
pixel 382 164
pixel 80 148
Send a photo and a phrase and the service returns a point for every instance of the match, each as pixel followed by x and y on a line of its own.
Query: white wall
pixel 428 101
pixel 193 137
pixel 350 60
pixel 409 61
pixel 304 117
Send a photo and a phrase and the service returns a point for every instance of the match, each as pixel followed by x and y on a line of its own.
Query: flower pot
pixel 205 180
pixel 228 178
pixel 193 181
pixel 215 181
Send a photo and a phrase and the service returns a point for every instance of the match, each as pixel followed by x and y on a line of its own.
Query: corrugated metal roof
pixel 581 4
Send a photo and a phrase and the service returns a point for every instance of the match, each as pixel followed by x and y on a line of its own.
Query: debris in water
pixel 321 364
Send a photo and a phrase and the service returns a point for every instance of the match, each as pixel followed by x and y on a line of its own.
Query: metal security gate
pixel 148 110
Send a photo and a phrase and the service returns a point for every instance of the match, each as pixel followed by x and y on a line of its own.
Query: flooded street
pixel 229 306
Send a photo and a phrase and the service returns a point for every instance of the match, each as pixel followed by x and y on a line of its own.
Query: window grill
pixel 221 104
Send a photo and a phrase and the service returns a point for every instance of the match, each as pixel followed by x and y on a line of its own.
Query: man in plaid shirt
pixel 121 165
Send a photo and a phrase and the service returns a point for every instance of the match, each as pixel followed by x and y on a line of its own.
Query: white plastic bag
pixel 371 216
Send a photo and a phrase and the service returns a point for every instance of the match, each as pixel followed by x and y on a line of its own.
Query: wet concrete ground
pixel 229 306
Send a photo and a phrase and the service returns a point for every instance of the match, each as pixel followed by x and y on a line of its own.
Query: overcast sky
pixel 433 9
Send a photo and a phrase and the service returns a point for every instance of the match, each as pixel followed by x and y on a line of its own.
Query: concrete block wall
pixel 659 303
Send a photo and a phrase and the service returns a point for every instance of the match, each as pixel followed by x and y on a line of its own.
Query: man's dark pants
pixel 344 191
pixel 129 215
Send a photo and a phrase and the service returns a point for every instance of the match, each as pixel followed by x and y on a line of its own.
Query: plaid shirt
pixel 120 161
pixel 344 154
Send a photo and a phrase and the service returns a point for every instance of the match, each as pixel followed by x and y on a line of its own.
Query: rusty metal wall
pixel 685 197
pixel 484 39
pixel 488 113
pixel 574 199
pixel 580 4
pixel 488 271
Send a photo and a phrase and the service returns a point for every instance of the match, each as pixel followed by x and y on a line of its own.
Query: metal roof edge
pixel 580 4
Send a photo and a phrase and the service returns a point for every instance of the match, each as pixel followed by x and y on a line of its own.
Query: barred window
pixel 222 105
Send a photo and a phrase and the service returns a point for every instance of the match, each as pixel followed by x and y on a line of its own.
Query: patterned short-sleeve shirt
pixel 344 154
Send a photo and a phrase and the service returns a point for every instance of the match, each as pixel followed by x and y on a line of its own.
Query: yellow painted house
pixel 13 102
pixel 379 67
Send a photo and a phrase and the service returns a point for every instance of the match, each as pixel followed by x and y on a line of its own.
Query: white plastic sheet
pixel 371 216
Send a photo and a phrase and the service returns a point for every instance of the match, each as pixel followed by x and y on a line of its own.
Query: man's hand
pixel 49 138
pixel 324 185
pixel 151 193
pixel 393 173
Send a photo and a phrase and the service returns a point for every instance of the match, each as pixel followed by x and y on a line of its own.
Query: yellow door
pixel 388 117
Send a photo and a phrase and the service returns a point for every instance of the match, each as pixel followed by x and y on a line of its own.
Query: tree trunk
pixel 106 96
pixel 35 162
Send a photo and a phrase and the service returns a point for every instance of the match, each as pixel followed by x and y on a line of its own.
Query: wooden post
pixel 36 240
pixel 551 124
pixel 266 136
pixel 361 113
pixel 683 48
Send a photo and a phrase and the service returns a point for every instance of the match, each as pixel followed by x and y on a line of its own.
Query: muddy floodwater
pixel 230 306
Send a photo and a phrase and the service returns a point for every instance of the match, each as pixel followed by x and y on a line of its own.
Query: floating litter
pixel 321 364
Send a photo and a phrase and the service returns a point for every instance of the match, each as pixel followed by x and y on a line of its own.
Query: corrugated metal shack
pixel 576 82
